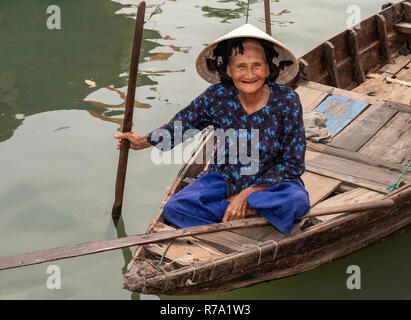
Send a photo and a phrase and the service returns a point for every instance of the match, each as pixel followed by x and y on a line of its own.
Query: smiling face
pixel 249 70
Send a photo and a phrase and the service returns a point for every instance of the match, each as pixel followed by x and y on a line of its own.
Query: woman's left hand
pixel 237 207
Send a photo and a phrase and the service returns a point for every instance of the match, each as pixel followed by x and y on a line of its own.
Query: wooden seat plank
pixel 403 27
pixel 184 251
pixel 404 74
pixel 393 141
pixel 379 87
pixel 345 169
pixel 318 186
pixel 355 156
pixel 404 107
pixel 310 98
pixel 399 63
pixel 363 128
pixel 227 241
pixel 266 233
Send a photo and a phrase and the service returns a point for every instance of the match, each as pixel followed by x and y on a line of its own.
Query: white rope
pixel 257 245
pixel 164 254
pixel 259 249
pixel 191 282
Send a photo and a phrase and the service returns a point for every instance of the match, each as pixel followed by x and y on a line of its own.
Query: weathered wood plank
pixel 355 156
pixel 354 173
pixel 393 141
pixel 349 179
pixel 265 233
pixel 379 87
pixel 229 242
pixel 393 80
pixel 399 63
pixel 349 167
pixel 341 92
pixel 318 187
pixel 404 74
pixel 340 111
pixel 403 27
pixel 402 107
pixel 310 98
pixel 398 105
pixel 363 128
pixel 184 253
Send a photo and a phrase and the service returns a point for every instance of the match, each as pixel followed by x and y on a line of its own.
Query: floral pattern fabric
pixel 281 136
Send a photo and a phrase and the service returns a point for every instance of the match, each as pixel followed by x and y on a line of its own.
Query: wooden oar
pixel 41 256
pixel 380 204
pixel 128 115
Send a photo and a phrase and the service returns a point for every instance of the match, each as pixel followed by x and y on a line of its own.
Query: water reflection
pixel 108 114
pixel 10 113
pixel 227 14
pixel 149 53
pixel 279 23
pixel 45 70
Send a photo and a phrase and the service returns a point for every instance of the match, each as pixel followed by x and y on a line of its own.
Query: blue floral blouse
pixel 273 136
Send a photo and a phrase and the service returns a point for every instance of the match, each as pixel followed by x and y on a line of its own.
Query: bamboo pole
pixel 267 17
pixel 41 256
pixel 128 115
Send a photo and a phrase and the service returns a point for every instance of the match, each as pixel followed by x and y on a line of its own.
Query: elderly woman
pixel 248 69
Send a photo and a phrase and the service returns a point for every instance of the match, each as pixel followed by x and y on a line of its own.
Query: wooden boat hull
pixel 364 157
pixel 292 255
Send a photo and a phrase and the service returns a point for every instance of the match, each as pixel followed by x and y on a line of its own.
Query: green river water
pixel 57 152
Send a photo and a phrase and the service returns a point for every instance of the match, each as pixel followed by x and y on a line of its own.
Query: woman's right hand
pixel 136 142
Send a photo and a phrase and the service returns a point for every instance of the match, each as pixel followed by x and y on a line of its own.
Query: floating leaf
pixel 114 120
pixel 90 83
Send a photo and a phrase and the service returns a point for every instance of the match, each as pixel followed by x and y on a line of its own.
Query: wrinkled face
pixel 250 69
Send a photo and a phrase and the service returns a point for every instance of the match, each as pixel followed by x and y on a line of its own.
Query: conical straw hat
pixel 248 30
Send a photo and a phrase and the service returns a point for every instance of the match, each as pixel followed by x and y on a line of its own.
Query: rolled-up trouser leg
pixel 201 202
pixel 281 204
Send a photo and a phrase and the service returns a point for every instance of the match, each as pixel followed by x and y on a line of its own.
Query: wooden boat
pixel 361 81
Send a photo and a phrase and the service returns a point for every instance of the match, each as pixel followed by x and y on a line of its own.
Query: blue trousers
pixel 203 202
